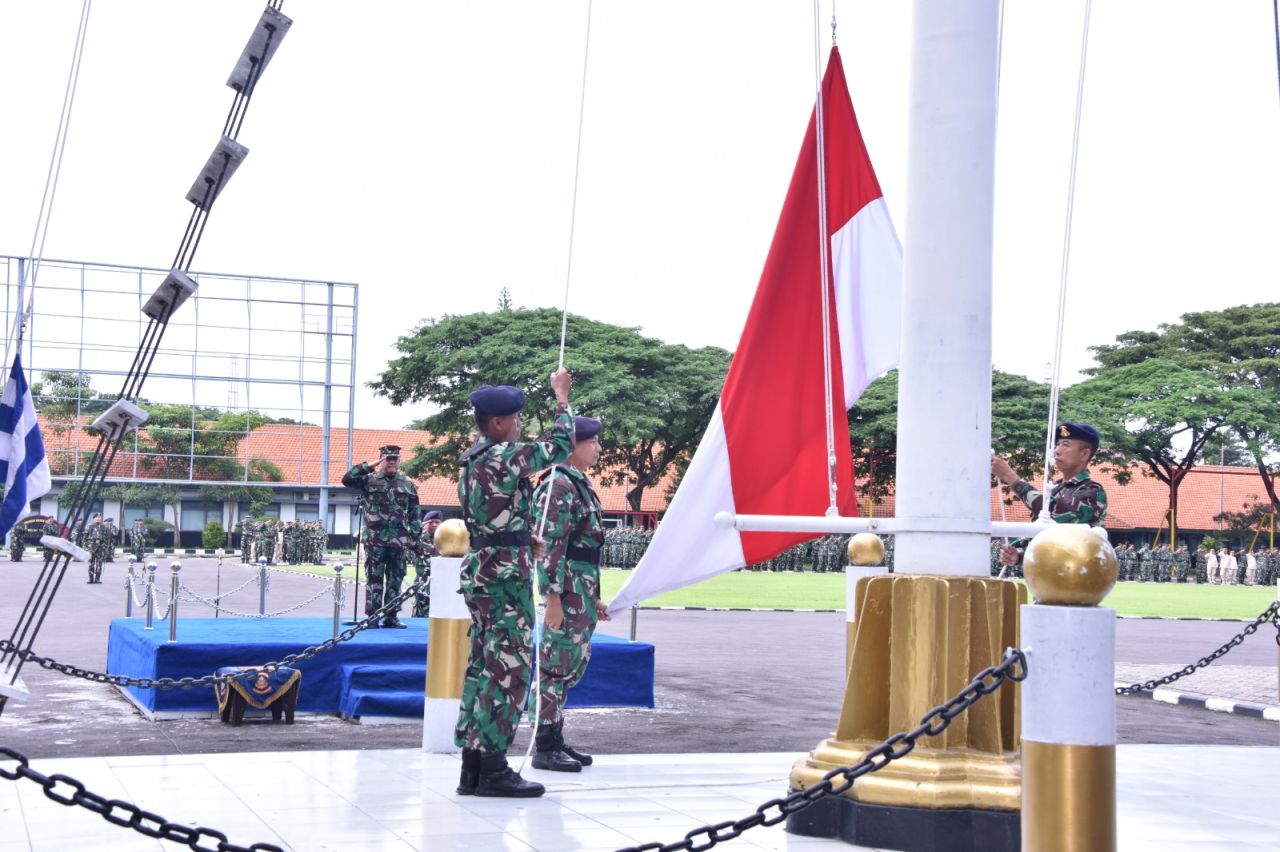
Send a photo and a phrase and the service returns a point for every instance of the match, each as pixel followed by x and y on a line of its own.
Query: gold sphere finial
pixel 1071 565
pixel 452 538
pixel 866 549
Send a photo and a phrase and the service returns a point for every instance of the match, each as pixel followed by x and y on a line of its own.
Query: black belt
pixel 584 554
pixel 521 538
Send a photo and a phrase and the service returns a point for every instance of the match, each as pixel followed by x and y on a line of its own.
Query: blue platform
pixel 377 673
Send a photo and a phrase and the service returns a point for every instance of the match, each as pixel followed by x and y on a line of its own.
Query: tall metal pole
pixel 325 416
pixel 944 388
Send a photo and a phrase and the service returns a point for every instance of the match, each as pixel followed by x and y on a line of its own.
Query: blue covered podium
pixel 620 674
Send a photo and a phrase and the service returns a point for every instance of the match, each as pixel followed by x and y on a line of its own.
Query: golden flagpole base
pixel 917 641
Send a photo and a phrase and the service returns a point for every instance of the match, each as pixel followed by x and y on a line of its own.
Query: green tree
pixel 1240 347
pixel 1019 414
pixel 1158 415
pixel 504 300
pixel 182 441
pixel 655 399
pixel 67 401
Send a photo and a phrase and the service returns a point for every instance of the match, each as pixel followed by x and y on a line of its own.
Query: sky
pixel 425 151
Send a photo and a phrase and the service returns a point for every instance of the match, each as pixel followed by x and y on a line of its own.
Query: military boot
pixel 470 772
pixel 548 753
pixel 580 756
pixel 497 779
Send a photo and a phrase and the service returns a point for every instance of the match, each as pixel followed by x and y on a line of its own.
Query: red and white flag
pixel 765 449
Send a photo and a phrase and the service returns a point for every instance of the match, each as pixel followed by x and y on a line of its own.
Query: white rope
pixel 1045 514
pixel 823 255
pixel 50 182
pixel 540 621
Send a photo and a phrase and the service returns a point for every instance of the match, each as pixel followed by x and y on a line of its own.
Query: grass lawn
pixel 766 590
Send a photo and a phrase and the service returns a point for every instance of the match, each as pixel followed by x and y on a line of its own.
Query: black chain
pixel 66 790
pixel 1012 668
pixel 163 683
pixel 1271 613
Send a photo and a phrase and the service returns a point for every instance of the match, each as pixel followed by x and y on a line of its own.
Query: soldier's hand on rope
pixel 602 611
pixel 539 547
pixel 554 616
pixel 561 381
pixel 1003 471
pixel 1009 555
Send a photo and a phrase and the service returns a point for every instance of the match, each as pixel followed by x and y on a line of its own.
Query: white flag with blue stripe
pixel 22 460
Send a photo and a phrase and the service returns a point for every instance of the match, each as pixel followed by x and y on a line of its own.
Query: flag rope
pixel 824 248
pixel 540 621
pixel 36 254
pixel 1056 379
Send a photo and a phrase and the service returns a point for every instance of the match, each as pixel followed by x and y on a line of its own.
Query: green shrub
pixel 214 536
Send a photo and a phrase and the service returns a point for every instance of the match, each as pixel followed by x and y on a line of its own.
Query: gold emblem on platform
pixel 866 549
pixel 1070 564
pixel 452 538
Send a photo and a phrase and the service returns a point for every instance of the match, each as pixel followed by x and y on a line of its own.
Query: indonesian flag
pixel 765 449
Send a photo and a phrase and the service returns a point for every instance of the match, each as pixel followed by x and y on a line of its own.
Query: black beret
pixel 586 427
pixel 1081 432
pixel 433 515
pixel 497 400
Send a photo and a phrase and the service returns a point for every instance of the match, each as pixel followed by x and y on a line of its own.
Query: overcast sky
pixel 425 151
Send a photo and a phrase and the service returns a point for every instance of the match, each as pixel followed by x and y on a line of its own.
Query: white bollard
pixel 1069 729
pixel 151 595
pixel 447 653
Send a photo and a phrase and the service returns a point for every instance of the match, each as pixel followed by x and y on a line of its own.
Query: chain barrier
pixel 194 597
pixel 246 584
pixel 129 583
pixel 1270 614
pixel 390 607
pixel 1013 667
pixel 67 791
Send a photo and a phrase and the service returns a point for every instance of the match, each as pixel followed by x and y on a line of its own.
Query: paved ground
pixel 726 681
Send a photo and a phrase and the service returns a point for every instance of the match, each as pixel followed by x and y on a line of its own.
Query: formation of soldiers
pixel 295 542
pixel 623 546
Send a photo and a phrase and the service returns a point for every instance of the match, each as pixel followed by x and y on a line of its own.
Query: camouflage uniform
pixel 93 544
pixel 16 544
pixel 422 574
pixel 390 527
pixel 51 528
pixel 495 493
pixel 1080 500
pixel 574 533
pixel 138 541
pixel 107 541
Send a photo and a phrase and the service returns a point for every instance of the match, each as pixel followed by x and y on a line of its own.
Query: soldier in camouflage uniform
pixel 422 563
pixel 138 540
pixel 110 535
pixel 496 495
pixel 569 581
pixel 1074 498
pixel 16 544
pixel 51 528
pixel 92 543
pixel 391 527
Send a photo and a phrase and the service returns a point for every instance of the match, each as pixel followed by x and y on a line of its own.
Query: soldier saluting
pixel 569 580
pixel 496 495
pixel 391 527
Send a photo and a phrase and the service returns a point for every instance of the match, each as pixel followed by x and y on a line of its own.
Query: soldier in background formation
pixel 391 527
pixel 623 546
pixel 258 539
pixel 17 546
pixel 110 535
pixel 92 542
pixel 138 540
pixel 302 542
pixel 51 528
pixel 422 563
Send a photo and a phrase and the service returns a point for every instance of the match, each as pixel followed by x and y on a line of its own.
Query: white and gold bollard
pixel 1068 701
pixel 447 640
pixel 866 553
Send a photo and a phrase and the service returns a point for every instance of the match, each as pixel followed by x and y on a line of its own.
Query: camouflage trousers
pixel 384 569
pixel 422 600
pixel 499 665
pixel 95 565
pixel 563 654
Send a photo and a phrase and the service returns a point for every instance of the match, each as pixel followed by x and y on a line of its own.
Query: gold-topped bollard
pixel 448 631
pixel 1068 701
pixel 866 553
